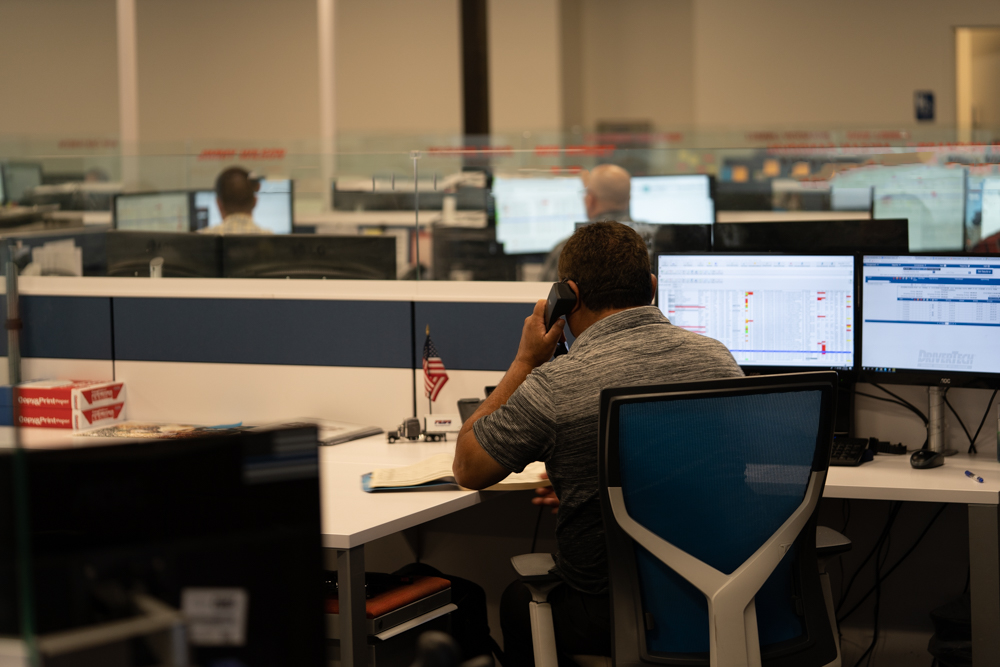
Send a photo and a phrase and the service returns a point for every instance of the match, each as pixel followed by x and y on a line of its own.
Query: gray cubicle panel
pixel 63 327
pixel 263 331
pixel 471 336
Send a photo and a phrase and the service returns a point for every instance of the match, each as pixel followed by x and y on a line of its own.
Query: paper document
pixel 437 470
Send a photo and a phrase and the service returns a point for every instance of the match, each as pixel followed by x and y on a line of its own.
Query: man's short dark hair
pixel 236 190
pixel 609 262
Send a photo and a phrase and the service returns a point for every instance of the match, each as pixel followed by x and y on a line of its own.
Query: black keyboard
pixel 848 451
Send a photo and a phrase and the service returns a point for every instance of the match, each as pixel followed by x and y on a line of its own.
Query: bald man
pixel 608 190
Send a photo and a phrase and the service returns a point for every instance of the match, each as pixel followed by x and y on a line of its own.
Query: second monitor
pixel 770 311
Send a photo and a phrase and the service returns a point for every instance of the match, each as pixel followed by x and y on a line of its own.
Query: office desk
pixel 892 478
pixel 352 518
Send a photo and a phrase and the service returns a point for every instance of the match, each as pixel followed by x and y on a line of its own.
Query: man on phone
pixel 548 411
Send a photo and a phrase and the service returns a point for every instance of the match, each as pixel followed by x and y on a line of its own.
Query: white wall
pixel 398 66
pixel 636 61
pixel 59 77
pixel 553 63
pixel 783 62
pixel 227 69
pixel 525 65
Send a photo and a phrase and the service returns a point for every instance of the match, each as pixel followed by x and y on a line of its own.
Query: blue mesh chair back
pixel 716 468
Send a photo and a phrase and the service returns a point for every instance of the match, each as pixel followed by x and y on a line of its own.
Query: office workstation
pixel 285 254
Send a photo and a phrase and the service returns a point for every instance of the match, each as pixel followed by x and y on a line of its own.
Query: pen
pixel 972 475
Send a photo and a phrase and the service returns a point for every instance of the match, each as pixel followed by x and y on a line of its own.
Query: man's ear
pixel 576 290
pixel 652 277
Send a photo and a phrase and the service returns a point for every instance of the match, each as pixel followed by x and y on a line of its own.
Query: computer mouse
pixel 925 458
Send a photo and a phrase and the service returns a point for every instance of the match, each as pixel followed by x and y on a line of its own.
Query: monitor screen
pixel 536 214
pixel 19 179
pixel 982 208
pixel 273 210
pixel 153 212
pixel 933 314
pixel 930 197
pixel 681 200
pixel 794 311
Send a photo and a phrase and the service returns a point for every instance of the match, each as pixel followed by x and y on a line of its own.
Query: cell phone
pixel 560 302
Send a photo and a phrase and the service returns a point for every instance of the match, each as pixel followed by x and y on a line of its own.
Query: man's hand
pixel 537 346
pixel 546 496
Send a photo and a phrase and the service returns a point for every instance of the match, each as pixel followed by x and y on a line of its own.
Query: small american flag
pixel 434 373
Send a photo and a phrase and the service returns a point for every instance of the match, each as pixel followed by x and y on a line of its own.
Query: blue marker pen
pixel 972 475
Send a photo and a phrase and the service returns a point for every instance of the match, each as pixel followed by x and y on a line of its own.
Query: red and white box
pixel 77 420
pixel 70 404
pixel 70 394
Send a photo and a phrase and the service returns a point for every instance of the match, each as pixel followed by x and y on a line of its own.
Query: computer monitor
pixel 770 311
pixel 152 212
pixel 275 209
pixel 18 179
pixel 930 197
pixel 931 320
pixel 679 200
pixel 195 524
pixel 185 255
pixel 534 214
pixel 982 208
pixel 682 238
pixel 808 236
pixel 309 256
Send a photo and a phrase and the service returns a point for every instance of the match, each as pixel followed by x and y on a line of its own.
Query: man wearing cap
pixel 236 195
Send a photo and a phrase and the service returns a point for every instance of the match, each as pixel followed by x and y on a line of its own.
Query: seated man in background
pixel 236 195
pixel 548 411
pixel 608 193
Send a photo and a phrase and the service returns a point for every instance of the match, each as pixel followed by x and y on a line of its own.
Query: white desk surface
pixel 890 477
pixel 352 517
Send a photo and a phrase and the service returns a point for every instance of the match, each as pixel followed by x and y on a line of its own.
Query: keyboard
pixel 848 451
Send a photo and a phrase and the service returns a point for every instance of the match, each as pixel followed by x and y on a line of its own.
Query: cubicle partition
pixel 226 351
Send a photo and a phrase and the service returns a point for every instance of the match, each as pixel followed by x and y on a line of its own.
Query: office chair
pixel 709 493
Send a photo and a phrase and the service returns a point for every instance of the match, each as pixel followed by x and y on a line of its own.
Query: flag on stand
pixel 434 373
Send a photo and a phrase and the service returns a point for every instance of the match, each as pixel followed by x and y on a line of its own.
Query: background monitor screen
pixel 982 209
pixel 930 197
pixel 939 314
pixel 273 210
pixel 20 179
pixel 672 199
pixel 768 310
pixel 536 214
pixel 153 212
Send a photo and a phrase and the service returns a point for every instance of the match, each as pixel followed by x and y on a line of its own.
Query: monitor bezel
pixel 846 372
pixel 908 376
pixel 114 208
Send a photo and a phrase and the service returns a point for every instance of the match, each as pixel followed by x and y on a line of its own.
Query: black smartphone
pixel 560 302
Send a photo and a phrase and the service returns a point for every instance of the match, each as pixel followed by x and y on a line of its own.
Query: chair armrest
pixel 534 567
pixel 830 543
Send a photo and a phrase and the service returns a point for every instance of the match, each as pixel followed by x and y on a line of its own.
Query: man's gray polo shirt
pixel 552 417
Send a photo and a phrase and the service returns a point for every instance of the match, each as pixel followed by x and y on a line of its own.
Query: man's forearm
pixel 512 379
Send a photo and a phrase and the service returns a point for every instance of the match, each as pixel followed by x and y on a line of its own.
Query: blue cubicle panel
pixel 374 334
pixel 63 327
pixel 471 336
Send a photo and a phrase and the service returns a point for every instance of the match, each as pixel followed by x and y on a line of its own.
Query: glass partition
pixel 477 208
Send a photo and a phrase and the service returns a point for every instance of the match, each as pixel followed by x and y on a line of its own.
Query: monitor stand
pixel 937 437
